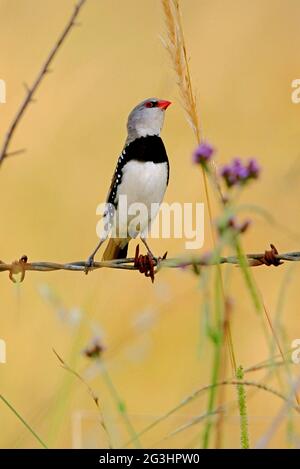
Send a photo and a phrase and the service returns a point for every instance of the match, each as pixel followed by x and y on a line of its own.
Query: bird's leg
pixel 103 237
pixel 90 261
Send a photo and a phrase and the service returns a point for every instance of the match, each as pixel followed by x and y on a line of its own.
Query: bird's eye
pixel 151 104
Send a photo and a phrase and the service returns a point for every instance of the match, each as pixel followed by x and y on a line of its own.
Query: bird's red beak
pixel 163 104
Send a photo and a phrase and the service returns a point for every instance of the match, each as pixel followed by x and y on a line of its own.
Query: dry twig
pixel 30 90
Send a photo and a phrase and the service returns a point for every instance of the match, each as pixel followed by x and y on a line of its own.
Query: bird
pixel 141 175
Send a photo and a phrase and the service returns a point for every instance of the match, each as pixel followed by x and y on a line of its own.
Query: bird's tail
pixel 116 249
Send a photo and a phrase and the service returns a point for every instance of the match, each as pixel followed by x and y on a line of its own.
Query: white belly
pixel 143 183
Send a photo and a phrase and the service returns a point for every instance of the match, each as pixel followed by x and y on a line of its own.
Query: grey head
pixel 146 118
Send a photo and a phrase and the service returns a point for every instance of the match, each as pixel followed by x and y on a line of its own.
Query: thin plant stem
pixel 198 392
pixel 191 108
pixel 242 402
pixel 218 340
pixel 23 421
pixel 90 391
pixel 120 404
pixel 258 302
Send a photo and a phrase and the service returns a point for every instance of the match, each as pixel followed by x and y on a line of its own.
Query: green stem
pixel 120 404
pixel 248 277
pixel 218 341
pixel 254 294
pixel 243 410
pixel 23 421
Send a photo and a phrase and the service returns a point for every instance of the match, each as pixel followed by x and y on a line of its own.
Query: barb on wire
pixel 30 90
pixel 268 258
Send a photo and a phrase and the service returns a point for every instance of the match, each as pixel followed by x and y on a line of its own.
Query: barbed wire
pixel 148 266
pixel 30 90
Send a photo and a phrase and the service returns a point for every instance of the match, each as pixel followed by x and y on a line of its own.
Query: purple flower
pixel 241 172
pixel 244 226
pixel 237 173
pixel 203 153
pixel 253 168
pixel 229 175
pixel 232 224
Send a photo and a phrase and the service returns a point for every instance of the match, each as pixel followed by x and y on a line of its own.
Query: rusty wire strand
pixel 271 257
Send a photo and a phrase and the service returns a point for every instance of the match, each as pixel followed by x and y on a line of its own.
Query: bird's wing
pixel 116 179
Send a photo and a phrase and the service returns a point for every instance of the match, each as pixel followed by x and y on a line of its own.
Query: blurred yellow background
pixel 243 60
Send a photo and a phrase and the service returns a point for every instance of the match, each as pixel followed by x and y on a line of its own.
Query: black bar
pixel 138 458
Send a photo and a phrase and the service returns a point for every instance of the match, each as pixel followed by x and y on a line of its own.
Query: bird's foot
pixel 146 263
pixel 89 265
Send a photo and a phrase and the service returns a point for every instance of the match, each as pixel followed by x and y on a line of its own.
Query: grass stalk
pixel 90 391
pixel 217 339
pixel 120 405
pixel 258 303
pixel 198 392
pixel 177 50
pixel 34 434
pixel 242 401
